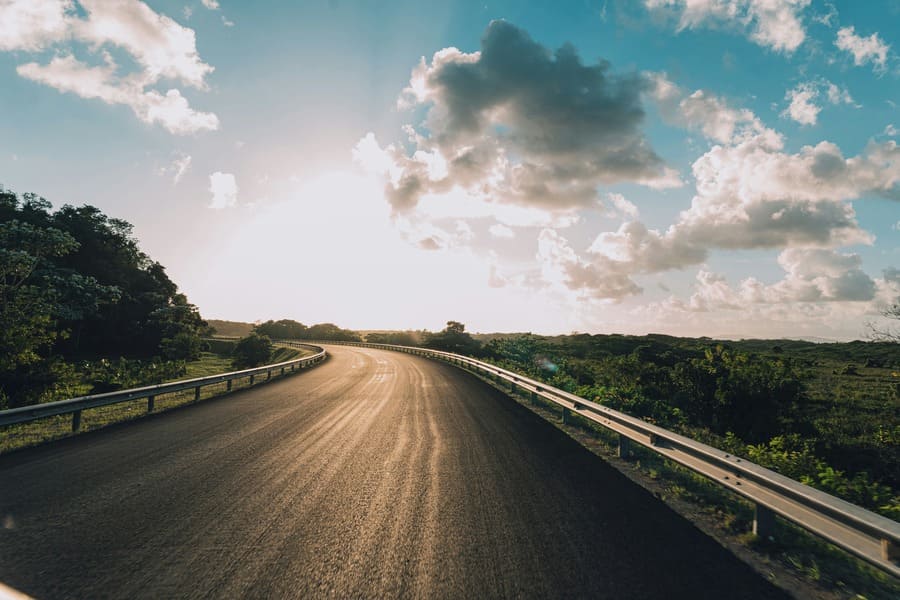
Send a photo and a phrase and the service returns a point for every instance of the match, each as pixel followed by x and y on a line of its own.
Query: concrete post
pixel 763 522
pixel 624 448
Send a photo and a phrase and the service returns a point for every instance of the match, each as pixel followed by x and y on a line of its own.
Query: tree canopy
pixel 75 285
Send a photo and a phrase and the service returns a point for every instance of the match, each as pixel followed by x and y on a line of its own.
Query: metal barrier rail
pixel 867 535
pixel 74 406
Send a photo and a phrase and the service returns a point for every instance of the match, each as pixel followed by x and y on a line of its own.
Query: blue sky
pixel 703 167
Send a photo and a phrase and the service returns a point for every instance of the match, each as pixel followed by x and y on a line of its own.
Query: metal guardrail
pixel 74 406
pixel 869 536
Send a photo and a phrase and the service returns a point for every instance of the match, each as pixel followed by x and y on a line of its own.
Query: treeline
pixel 82 308
pixel 286 329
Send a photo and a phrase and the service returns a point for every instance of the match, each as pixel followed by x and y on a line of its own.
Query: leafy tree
pixel 453 339
pixel 252 351
pixel 284 329
pixel 330 331
pixel 75 286
pixel 28 310
pixel 400 338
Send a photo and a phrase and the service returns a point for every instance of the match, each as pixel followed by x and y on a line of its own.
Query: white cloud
pixel 753 195
pixel 171 110
pixel 802 108
pixel 811 275
pixel 499 230
pixel 775 24
pixel 32 25
pixel 621 207
pixel 160 47
pixel 828 17
pixel 871 49
pixel 837 94
pixel 599 279
pixel 890 130
pixel 705 112
pixel 224 189
pixel 210 4
pixel 181 164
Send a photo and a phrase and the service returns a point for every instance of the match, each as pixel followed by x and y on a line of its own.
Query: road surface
pixel 375 475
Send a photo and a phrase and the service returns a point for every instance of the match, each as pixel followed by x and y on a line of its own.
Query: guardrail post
pixel 76 421
pixel 565 416
pixel 228 385
pixel 763 522
pixel 196 393
pixel 251 379
pixel 268 374
pixel 534 398
pixel 150 403
pixel 890 551
pixel 623 450
pixel 282 370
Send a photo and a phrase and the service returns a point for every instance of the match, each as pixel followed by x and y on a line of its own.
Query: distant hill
pixel 230 328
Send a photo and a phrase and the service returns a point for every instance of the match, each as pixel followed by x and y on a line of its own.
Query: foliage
pixel 284 329
pixel 399 338
pixel 293 330
pixel 453 339
pixel 229 328
pixel 74 287
pixel 252 351
pixel 791 406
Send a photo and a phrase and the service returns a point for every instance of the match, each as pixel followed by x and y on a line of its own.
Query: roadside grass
pixel 857 409
pixel 829 569
pixel 53 428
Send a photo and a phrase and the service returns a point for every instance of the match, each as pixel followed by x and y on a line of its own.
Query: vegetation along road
pixel 377 474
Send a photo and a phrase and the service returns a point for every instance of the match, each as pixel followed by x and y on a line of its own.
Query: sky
pixel 723 168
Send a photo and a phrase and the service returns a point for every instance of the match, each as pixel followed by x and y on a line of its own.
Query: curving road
pixel 375 475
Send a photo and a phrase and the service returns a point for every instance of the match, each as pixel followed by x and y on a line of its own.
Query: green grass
pixel 58 427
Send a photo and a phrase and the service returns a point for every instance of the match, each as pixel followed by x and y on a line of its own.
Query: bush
pixel 252 351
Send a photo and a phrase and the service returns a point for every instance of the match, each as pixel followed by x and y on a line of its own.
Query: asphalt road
pixel 375 475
